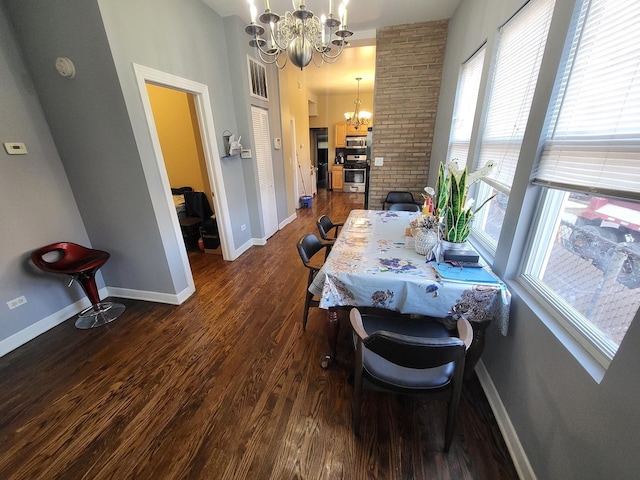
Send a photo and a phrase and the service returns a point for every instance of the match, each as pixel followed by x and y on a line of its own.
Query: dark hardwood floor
pixel 226 386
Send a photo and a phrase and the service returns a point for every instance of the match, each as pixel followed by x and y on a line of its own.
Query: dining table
pixel 373 264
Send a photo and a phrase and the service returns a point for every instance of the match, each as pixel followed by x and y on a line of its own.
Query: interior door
pixel 262 137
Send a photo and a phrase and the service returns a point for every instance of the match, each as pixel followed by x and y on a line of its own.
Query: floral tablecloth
pixel 370 265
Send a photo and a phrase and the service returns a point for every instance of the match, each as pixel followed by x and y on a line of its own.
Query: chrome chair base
pixel 99 314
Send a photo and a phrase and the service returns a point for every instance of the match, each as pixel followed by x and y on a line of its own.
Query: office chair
pixel 402 354
pixel 308 246
pixel 197 218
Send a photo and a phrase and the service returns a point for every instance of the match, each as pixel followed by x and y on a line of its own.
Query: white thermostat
pixel 277 143
pixel 15 148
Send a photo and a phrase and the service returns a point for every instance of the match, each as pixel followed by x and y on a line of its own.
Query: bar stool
pixel 81 264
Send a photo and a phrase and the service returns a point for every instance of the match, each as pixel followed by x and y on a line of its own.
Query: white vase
pixel 424 240
pixel 453 246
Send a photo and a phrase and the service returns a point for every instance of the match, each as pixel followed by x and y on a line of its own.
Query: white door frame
pixel 208 135
pixel 294 159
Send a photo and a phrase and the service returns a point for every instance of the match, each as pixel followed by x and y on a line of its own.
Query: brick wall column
pixel 409 62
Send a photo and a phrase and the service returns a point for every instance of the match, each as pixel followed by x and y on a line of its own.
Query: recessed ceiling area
pixel 364 17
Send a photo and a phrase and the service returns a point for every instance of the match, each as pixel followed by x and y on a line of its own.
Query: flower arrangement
pixel 425 222
pixel 449 200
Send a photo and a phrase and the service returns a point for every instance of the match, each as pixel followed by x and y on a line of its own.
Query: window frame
pixel 257 74
pixel 485 184
pixel 464 77
pixel 582 330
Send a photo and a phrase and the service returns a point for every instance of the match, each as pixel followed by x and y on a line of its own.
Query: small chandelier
pixel 300 34
pixel 358 117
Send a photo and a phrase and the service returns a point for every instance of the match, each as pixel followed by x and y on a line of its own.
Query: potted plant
pixel 451 203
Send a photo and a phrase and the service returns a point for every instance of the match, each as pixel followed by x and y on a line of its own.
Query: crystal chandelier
pixel 358 117
pixel 302 35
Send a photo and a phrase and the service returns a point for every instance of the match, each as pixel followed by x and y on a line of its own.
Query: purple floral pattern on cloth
pixel 382 299
pixel 395 265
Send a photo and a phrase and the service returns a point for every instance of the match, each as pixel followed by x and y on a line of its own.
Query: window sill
pixel 538 306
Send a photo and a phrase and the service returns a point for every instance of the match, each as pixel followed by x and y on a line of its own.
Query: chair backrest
pixel 197 205
pixel 324 227
pixel 308 246
pixel 399 197
pixel 405 207
pixel 415 352
pixel 181 190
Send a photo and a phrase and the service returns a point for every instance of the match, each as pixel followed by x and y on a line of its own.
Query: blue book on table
pixel 464 274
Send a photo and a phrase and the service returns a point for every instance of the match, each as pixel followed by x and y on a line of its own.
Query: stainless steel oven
pixel 355 169
pixel 354 180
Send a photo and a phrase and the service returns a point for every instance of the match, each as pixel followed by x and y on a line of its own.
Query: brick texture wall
pixel 409 65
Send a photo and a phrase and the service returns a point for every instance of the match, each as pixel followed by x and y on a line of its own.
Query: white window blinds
pixel 522 42
pixel 594 140
pixel 465 107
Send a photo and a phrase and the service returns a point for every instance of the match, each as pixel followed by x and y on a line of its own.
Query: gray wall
pixel 87 176
pixel 570 426
pixel 38 206
pixel 238 48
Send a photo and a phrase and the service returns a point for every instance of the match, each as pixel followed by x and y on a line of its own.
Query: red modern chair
pixel 81 264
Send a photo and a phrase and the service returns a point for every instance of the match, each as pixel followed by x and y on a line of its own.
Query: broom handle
pixel 304 189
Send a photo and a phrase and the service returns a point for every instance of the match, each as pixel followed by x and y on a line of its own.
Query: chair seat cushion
pixel 389 375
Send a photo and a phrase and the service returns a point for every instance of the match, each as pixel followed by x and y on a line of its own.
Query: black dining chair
pixel 408 355
pixel 309 246
pixel 397 197
pixel 404 207
pixel 328 230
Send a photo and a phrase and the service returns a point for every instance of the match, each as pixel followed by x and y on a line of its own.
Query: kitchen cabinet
pixel 362 130
pixel 343 129
pixel 341 134
pixel 337 177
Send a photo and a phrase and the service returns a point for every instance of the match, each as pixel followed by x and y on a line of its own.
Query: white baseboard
pixel 32 331
pixel 35 329
pixel 518 455
pixel 170 298
pixel 287 221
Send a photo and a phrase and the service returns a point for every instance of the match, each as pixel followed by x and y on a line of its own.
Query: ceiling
pixel 364 17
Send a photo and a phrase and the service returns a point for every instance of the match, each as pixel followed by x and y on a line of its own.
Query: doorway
pixel 260 121
pixel 320 156
pixel 158 182
pixel 177 127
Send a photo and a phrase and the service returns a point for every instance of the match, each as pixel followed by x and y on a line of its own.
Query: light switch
pixel 379 161
pixel 15 148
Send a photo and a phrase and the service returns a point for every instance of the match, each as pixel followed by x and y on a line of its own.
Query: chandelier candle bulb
pixel 267 7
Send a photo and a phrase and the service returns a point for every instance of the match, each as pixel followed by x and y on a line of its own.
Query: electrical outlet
pixel 243 227
pixel 16 302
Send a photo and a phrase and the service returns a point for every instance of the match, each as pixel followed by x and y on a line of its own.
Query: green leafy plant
pixel 451 200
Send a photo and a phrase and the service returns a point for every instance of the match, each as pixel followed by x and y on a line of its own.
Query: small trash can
pixel 305 201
